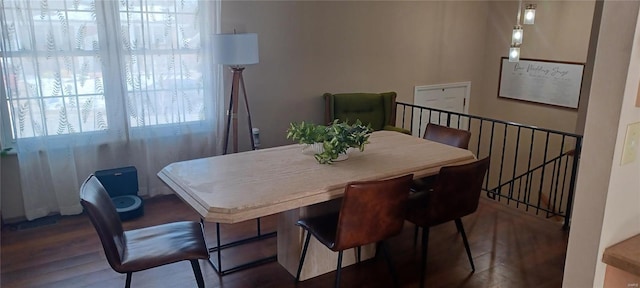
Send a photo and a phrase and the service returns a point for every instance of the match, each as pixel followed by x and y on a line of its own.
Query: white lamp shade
pixel 235 49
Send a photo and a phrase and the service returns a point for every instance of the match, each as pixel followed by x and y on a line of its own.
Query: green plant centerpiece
pixel 336 138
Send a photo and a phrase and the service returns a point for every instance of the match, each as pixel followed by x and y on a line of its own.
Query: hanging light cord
pixel 519 11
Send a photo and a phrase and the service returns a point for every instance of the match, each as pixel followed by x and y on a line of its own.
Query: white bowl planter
pixel 318 148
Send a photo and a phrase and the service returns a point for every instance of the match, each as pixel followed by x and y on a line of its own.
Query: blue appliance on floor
pixel 122 186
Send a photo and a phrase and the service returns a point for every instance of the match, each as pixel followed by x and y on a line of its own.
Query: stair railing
pixel 531 167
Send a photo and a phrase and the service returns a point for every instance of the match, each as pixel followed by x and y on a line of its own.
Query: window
pixel 74 66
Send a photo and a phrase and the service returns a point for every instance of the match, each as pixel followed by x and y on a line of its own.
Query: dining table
pixel 288 181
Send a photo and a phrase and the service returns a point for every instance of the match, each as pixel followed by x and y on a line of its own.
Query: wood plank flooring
pixel 510 249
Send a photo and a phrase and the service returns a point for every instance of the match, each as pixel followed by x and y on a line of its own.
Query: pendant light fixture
pixel 529 14
pixel 518 33
pixel 514 53
pixel 516 36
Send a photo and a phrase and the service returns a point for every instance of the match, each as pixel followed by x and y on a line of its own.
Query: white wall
pixel 607 194
pixel 622 210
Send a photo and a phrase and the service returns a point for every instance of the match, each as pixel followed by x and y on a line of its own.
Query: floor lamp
pixel 236 50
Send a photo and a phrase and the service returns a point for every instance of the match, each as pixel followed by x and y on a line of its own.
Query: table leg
pixel 219 247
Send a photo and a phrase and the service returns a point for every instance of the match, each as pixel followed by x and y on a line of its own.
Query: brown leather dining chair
pixel 371 212
pixel 141 249
pixel 445 135
pixel 456 194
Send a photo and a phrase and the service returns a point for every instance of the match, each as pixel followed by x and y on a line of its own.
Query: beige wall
pixel 561 33
pixel 308 48
pixel 607 198
pixel 311 47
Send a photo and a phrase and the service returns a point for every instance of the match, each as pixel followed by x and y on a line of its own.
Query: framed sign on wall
pixel 541 81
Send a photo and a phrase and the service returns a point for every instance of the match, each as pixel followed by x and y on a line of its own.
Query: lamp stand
pixel 232 113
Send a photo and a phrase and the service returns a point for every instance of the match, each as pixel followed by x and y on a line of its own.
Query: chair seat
pixel 322 227
pixel 162 244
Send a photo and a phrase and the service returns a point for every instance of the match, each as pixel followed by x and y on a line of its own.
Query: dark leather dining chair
pixel 445 135
pixel 456 193
pixel 141 249
pixel 371 212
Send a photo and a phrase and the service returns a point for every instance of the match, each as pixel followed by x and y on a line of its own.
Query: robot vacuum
pixel 128 206
pixel 122 186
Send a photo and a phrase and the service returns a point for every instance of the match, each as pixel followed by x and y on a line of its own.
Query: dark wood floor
pixel 510 249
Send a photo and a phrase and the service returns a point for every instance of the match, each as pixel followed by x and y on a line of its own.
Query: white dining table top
pixel 237 187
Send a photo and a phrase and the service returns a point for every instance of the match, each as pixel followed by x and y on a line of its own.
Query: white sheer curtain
pixel 91 85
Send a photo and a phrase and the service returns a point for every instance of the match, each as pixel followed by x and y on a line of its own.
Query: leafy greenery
pixel 5 151
pixel 306 133
pixel 336 138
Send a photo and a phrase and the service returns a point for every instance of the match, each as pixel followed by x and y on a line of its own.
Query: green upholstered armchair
pixel 376 109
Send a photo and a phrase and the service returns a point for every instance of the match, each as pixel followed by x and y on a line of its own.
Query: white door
pixel 453 97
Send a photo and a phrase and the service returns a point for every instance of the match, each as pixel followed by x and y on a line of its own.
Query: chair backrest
pixel 456 192
pixel 97 203
pixel 371 211
pixel 447 135
pixel 376 109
